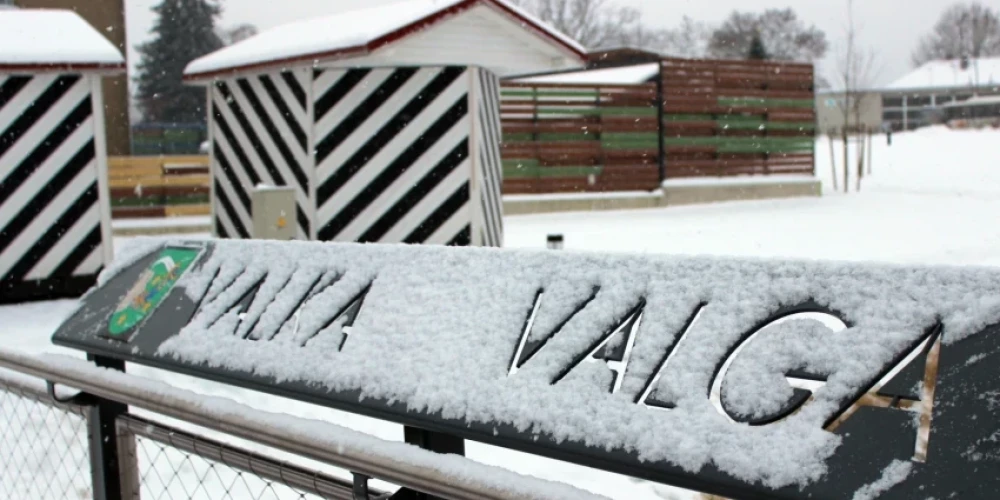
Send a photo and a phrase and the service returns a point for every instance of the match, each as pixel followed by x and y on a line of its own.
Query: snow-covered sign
pixel 744 378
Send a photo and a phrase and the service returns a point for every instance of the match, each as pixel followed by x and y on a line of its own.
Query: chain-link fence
pixel 43 445
pixel 174 464
pixel 46 457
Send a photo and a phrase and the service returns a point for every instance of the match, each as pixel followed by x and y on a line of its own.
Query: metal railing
pixel 173 463
pixel 159 461
pixel 44 441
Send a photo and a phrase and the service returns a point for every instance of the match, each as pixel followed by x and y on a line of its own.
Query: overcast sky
pixel 890 27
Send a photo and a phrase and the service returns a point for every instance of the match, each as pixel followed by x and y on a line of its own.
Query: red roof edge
pixel 387 39
pixel 358 50
pixel 66 67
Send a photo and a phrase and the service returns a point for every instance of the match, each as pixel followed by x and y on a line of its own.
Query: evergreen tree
pixel 184 31
pixel 757 49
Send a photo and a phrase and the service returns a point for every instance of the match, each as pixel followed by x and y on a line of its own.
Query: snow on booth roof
pixel 624 75
pixel 383 30
pixel 45 39
pixel 948 74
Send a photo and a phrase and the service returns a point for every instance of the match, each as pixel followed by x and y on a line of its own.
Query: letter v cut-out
pixel 230 307
pixel 326 331
pixel 303 285
pixel 529 343
pixel 613 347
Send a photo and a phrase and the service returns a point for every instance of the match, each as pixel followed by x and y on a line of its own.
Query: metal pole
pixel 660 115
pixel 113 467
pixel 431 441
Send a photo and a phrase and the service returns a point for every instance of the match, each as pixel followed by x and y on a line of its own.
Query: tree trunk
pixel 861 161
pixel 847 163
pixel 833 162
pixel 871 145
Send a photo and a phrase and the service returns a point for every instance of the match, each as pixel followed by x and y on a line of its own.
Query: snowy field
pixel 933 198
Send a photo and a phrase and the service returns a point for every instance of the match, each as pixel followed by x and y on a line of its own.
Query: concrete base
pixel 160 227
pixel 692 194
pixel 548 203
pixel 673 193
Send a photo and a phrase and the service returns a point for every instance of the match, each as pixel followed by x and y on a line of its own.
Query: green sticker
pixel 151 288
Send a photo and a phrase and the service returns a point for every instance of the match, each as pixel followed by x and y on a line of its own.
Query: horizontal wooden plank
pixel 186 180
pixel 157 161
pixel 158 191
pixel 187 210
pixel 137 212
pixel 129 171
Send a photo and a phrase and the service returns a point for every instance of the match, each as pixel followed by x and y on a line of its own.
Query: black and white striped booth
pixel 55 217
pixel 384 120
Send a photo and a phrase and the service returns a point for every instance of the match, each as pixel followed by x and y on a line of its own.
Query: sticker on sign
pixel 150 289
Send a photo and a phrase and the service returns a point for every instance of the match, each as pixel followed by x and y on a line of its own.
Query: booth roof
pixel 47 39
pixel 355 33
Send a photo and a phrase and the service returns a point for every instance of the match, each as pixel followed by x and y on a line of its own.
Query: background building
pixel 917 99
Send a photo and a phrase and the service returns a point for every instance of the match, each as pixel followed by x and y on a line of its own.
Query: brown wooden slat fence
pixel 718 118
pixel 158 186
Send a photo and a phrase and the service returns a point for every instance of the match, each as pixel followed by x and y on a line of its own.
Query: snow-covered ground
pixel 933 198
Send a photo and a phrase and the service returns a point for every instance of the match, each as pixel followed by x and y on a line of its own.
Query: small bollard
pixel 555 242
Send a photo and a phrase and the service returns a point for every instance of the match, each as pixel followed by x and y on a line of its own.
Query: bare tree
pixel 237 33
pixel 964 30
pixel 785 37
pixel 690 39
pixel 856 73
pixel 593 23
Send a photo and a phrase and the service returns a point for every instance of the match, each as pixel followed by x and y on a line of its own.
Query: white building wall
pixel 480 37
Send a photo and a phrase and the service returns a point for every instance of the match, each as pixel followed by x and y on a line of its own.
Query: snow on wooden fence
pixel 742 378
pixel 719 118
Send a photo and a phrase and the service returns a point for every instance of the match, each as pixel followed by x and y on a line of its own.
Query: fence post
pixel 432 441
pixel 112 455
pixel 661 142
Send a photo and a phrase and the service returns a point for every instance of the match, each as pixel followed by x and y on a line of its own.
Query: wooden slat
pixel 187 210
pixel 137 212
pixel 186 180
pixel 118 193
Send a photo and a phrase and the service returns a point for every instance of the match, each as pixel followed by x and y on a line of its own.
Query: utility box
pixel 273 213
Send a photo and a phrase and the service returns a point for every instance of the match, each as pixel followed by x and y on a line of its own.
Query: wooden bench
pixel 739 378
pixel 159 186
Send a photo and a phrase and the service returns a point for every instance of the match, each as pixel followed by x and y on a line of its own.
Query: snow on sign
pixel 744 378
